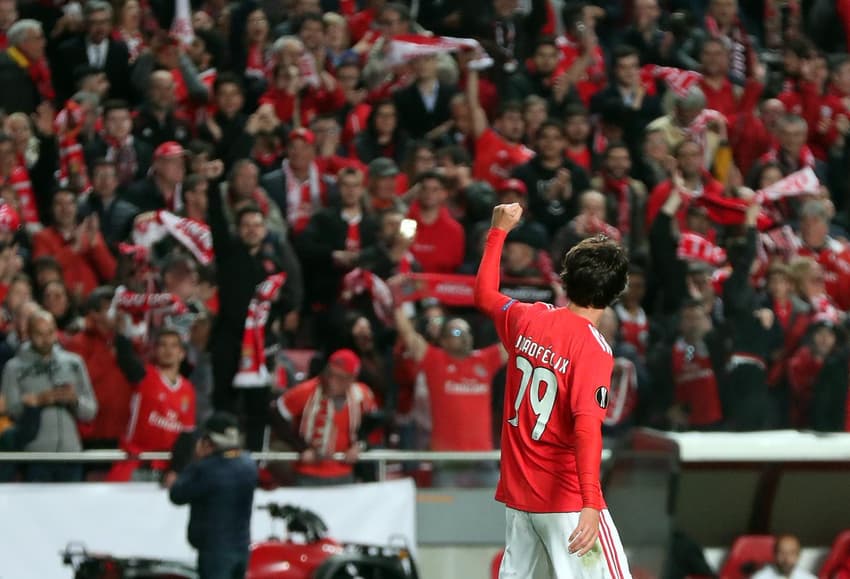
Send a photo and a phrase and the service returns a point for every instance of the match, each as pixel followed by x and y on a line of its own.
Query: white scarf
pixel 353 399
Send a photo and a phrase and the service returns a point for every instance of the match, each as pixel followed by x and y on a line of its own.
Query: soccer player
pixel 556 397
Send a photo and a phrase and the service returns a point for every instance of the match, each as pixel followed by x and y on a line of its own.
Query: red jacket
pixel 110 385
pixel 82 271
pixel 728 102
pixel 313 101
pixel 750 140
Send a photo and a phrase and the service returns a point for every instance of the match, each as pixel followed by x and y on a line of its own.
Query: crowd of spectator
pixel 188 201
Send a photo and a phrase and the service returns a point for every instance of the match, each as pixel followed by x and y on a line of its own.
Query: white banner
pixel 137 519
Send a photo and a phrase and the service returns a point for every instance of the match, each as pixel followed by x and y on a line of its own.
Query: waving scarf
pixel 193 235
pixel 252 366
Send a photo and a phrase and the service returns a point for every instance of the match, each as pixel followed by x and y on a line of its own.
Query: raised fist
pixel 506 217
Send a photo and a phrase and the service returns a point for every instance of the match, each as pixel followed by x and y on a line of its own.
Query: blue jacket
pixel 219 490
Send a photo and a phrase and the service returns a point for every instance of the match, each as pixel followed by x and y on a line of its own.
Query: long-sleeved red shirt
pixel 563 365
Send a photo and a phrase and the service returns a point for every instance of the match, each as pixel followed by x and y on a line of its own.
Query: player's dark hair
pixel 456 154
pixel 509 107
pixel 595 272
pixel 546 41
pixel 432 176
pixel 550 124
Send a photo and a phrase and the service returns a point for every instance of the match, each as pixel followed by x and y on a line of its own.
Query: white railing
pixel 381 457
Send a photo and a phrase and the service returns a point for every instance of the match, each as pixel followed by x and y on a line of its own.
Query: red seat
pixel 838 558
pixel 497 562
pixel 748 554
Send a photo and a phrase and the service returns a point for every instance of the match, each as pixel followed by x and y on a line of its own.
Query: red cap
pixel 9 219
pixel 169 149
pixel 345 360
pixel 514 185
pixel 303 134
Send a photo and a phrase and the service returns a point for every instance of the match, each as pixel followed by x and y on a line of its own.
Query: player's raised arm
pixel 487 296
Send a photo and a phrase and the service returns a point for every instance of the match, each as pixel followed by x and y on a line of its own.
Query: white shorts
pixel 534 540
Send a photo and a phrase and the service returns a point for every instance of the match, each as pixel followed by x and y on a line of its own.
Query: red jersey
pixel 695 384
pixel 325 424
pixel 556 397
pixel 460 393
pixel 159 412
pixel 495 158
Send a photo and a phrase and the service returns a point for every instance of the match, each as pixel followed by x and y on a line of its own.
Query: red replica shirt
pixel 556 397
pixel 695 384
pixel 325 423
pixel 495 158
pixel 160 411
pixel 460 393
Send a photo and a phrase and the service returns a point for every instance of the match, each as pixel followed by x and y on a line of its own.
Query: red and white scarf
pixel 19 180
pixel 193 235
pixel 678 80
pixel 302 198
pixel 403 47
pixel 801 182
pixel 311 428
pixel 738 44
pixel 359 281
pixel 806 158
pixel 695 247
pixel 72 162
pixel 252 365
pixel 137 305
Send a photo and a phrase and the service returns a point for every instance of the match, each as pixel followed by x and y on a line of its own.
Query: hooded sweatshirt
pixel 28 372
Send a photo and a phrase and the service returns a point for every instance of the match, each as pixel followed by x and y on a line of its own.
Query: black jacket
pixel 116 221
pixel 219 490
pixel 19 94
pixel 73 54
pixel 146 196
pixel 412 114
pixel 556 213
pixel 147 128
pixel 235 143
pixel 239 272
pixel 326 233
pixel 97 149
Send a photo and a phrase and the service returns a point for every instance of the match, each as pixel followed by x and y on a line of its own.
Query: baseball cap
pixel 383 167
pixel 513 185
pixel 345 360
pixel 169 150
pixel 9 219
pixel 223 429
pixel 303 134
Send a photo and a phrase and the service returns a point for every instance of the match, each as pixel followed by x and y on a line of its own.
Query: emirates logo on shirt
pixel 602 397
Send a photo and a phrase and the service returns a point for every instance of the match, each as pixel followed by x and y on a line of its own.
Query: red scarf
pixel 805 159
pixel 352 236
pixel 449 289
pixel 255 62
pixel 72 162
pixel 302 199
pixel 620 187
pixel 19 180
pixel 252 366
pixel 39 73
